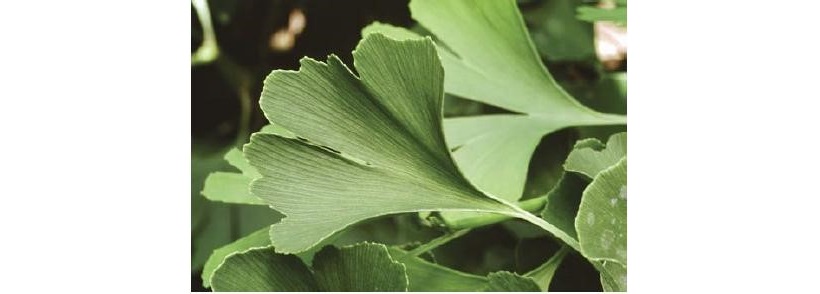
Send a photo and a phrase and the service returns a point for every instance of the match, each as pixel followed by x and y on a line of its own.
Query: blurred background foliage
pixel 236 44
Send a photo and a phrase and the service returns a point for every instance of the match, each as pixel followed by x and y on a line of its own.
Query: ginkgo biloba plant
pixel 348 144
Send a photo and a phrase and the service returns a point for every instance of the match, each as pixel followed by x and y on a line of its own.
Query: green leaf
pixel 601 220
pixel 372 145
pixel 262 270
pixel 562 203
pixel 613 276
pixel 543 274
pixel 230 188
pixel 589 158
pixel 617 14
pixel 489 57
pixel 510 282
pixel 426 276
pixel 258 239
pixel 359 268
pixel 494 151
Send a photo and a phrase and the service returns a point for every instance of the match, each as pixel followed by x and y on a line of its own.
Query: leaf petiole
pixel 437 242
pixel 485 219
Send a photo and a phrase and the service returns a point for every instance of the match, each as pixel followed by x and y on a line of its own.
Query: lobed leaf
pixel 375 145
pixel 358 268
pixel 258 239
pixel 232 187
pixel 262 270
pixel 488 56
pixel 510 282
pixel 425 276
pixel 589 157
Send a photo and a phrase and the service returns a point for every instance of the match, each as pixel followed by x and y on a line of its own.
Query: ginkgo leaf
pixel 590 156
pixel 494 151
pixel 510 282
pixel 372 145
pixel 489 57
pixel 360 267
pixel 613 276
pixel 232 187
pixel 563 201
pixel 601 220
pixel 258 239
pixel 263 270
pixel 426 276
pixel 365 267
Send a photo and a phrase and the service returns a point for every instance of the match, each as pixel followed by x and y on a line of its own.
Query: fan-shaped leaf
pixel 361 267
pixel 511 282
pixel 489 57
pixel 262 270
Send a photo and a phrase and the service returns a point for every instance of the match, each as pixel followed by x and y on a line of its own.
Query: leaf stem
pixel 558 233
pixel 484 219
pixel 437 242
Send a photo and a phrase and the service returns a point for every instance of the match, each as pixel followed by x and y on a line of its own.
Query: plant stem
pixel 558 233
pixel 437 242
pixel 484 219
pixel 522 211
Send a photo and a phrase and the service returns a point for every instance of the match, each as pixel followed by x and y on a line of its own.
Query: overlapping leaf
pixel 233 187
pixel 489 57
pixel 262 270
pixel 590 156
pixel 613 276
pixel 563 201
pixel 601 220
pixel 363 267
pixel 360 267
pixel 258 239
pixel 372 145
pixel 426 276
pixel 511 282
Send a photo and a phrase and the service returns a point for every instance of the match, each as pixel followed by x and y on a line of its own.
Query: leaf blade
pixel 258 239
pixel 376 146
pixel 262 270
pixel 601 220
pixel 504 281
pixel 589 159
pixel 361 267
